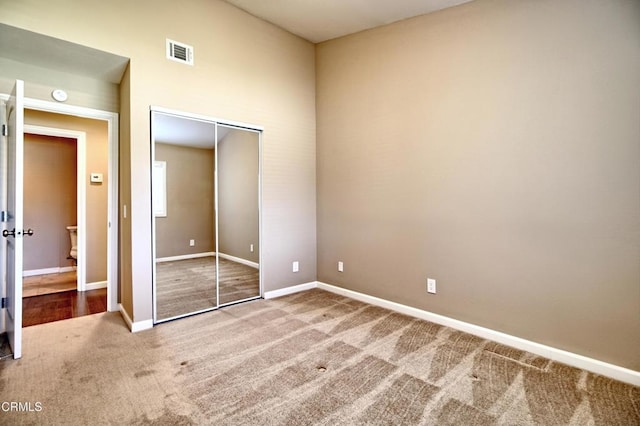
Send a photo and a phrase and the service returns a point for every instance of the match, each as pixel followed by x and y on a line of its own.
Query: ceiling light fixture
pixel 59 95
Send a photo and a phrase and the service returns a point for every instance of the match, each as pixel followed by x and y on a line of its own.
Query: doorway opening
pixel 66 200
pixel 100 76
pixel 50 210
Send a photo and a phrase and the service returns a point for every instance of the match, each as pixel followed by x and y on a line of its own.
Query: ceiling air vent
pixel 179 52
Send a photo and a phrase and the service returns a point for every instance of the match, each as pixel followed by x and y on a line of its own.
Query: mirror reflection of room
pixel 204 258
pixel 238 214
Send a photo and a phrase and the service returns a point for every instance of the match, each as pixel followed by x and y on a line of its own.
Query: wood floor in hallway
pixel 63 305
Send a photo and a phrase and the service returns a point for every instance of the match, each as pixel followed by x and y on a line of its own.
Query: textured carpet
pixel 186 286
pixel 309 358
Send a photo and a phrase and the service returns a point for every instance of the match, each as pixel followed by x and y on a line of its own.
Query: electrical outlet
pixel 251 248
pixel 296 266
pixel 340 267
pixel 192 243
pixel 431 285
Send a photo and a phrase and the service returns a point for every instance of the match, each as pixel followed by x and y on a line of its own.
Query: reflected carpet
pixel 185 286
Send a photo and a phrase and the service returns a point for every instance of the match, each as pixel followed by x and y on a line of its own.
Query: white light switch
pixel 96 177
pixel 340 267
pixel 296 266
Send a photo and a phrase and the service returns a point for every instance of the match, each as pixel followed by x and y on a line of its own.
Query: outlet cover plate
pixel 431 285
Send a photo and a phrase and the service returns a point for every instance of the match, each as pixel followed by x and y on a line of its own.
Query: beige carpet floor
pixel 312 358
pixel 186 286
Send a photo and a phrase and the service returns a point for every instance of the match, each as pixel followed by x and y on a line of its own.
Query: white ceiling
pixel 313 20
pixel 321 20
pixel 175 130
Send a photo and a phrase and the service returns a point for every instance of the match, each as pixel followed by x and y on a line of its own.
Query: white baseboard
pixel 96 285
pixel 290 290
pixel 208 254
pixel 575 360
pixel 185 257
pixel 134 326
pixel 45 271
pixel 239 260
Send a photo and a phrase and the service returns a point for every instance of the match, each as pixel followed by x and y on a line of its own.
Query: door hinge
pixel 5 130
pixel 4 216
pixel 5 302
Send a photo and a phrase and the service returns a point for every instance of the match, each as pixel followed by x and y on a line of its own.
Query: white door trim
pixel 81 188
pixel 112 120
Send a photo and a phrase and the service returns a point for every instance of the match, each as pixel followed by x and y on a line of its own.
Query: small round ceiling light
pixel 59 95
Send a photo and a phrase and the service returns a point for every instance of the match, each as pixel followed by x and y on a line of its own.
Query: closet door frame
pixel 215 121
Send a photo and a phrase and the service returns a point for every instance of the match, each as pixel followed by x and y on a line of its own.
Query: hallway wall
pixel 49 200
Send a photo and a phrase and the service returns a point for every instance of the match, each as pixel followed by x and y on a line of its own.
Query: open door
pixel 12 229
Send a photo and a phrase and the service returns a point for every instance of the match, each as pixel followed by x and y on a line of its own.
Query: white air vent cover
pixel 179 52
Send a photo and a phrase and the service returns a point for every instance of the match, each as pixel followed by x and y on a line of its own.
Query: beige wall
pixel 189 183
pixel 494 147
pixel 49 200
pixel 238 207
pixel 245 70
pixel 97 156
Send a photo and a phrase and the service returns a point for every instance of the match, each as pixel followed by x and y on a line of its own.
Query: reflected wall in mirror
pixel 206 215
pixel 183 191
pixel 238 153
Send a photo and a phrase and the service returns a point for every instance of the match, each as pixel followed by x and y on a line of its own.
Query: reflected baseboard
pixel 239 260
pixel 208 254
pixel 185 257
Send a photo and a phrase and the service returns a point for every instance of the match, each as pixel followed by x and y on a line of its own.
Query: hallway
pixel 63 305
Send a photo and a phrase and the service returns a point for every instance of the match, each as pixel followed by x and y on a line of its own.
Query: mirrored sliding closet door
pixel 206 214
pixel 238 230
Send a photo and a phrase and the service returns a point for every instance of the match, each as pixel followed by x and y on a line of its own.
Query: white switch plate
pixel 340 267
pixel 431 285
pixel 296 266
pixel 96 177
pixel 192 243
pixel 251 248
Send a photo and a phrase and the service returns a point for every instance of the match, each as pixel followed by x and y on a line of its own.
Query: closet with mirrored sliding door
pixel 206 195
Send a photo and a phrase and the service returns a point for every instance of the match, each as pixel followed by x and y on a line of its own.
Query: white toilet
pixel 73 234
